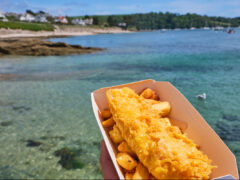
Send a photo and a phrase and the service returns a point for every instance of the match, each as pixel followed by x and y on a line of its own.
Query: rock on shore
pixel 40 47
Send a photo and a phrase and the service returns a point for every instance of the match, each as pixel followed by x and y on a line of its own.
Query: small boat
pixel 206 28
pixel 231 31
pixel 218 28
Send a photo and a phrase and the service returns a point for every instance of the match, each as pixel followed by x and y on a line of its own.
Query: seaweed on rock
pixel 68 159
pixel 228 132
pixel 32 143
pixel 6 123
pixel 230 117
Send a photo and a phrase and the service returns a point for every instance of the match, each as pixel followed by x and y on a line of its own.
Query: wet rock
pixel 68 159
pixel 21 108
pixel 61 138
pixel 230 117
pixel 58 44
pixel 47 147
pixel 39 47
pixel 32 143
pixel 228 132
pixel 78 46
pixel 4 51
pixel 4 103
pixel 6 123
pixel 44 137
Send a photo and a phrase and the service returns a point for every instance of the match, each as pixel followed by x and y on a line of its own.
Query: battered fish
pixel 161 147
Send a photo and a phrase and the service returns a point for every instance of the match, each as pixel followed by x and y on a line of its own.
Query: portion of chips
pixel 161 150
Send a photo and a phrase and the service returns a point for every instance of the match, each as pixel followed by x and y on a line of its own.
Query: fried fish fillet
pixel 161 147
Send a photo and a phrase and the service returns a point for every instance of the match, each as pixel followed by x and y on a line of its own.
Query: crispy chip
pixel 160 147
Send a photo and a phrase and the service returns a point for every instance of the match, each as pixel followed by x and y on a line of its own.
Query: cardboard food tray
pixel 185 117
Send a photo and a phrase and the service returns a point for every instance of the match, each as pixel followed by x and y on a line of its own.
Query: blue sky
pixel 228 8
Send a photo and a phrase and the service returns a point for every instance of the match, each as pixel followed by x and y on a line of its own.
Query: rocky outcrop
pixel 40 47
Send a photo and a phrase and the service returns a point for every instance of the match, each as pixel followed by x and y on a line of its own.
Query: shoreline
pixel 58 32
pixel 68 30
pixel 31 43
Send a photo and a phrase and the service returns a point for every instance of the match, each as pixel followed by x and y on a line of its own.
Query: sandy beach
pixel 34 43
pixel 59 32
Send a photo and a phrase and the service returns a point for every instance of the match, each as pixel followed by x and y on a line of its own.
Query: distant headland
pixel 43 21
pixel 13 27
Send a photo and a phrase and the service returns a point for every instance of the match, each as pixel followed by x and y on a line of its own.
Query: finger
pixel 108 169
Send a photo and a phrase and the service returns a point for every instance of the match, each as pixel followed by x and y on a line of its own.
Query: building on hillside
pixel 12 14
pixel 3 17
pixel 89 21
pixel 79 22
pixel 122 24
pixel 22 17
pixel 61 19
pixel 41 18
pixel 83 22
pixel 27 17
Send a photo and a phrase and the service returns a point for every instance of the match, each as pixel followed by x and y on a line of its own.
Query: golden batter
pixel 161 147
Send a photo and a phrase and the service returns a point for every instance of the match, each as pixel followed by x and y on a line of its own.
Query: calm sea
pixel 47 99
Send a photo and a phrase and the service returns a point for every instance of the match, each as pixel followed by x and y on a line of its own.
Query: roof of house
pixel 61 17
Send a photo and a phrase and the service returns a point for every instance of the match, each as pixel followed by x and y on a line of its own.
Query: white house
pixel 122 24
pixel 3 17
pixel 61 19
pixel 79 22
pixel 27 17
pixel 22 17
pixel 83 22
pixel 30 17
pixel 15 15
pixel 89 21
pixel 41 18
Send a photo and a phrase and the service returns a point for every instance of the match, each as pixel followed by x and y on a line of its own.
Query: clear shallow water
pixel 47 99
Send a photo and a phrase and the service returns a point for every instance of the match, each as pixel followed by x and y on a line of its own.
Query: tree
pixel 110 21
pixel 41 12
pixel 30 12
pixel 114 20
pixel 165 20
pixel 95 20
pixel 86 17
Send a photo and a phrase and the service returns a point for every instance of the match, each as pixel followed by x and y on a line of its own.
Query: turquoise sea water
pixel 47 99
